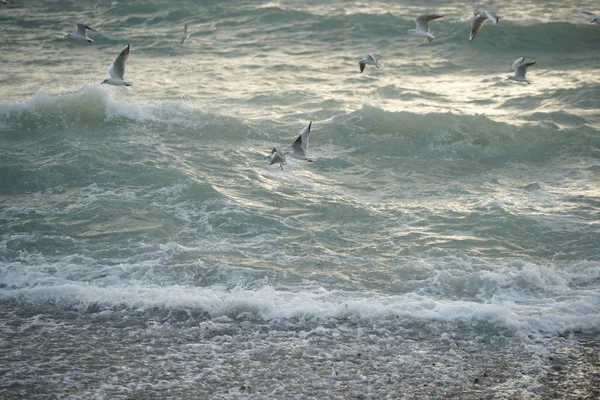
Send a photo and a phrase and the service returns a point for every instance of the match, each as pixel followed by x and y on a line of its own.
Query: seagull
pixel 369 59
pixel 423 26
pixel 592 17
pixel 479 18
pixel 4 1
pixel 117 70
pixel 80 33
pixel 276 157
pixel 520 68
pixel 184 34
pixel 299 148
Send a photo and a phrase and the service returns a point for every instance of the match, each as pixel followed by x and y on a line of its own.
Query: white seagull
pixel 370 60
pixel 423 26
pixel 276 157
pixel 520 68
pixel 479 18
pixel 80 33
pixel 594 19
pixel 117 70
pixel 184 34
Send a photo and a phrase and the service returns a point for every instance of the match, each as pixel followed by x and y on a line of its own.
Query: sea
pixel 444 243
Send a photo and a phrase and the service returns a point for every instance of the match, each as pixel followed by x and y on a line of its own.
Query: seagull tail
pixel 378 65
pixel 128 83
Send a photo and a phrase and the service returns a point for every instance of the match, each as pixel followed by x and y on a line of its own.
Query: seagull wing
pixel 117 68
pixel 300 146
pixel 492 16
pixel 588 15
pixel 372 58
pixel 362 66
pixel 423 21
pixel 185 29
pixel 522 69
pixel 517 63
pixel 477 22
pixel 81 29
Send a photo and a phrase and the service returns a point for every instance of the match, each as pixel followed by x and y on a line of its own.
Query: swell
pixel 66 130
pixel 437 137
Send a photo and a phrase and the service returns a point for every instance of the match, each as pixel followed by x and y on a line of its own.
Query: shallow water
pixel 444 243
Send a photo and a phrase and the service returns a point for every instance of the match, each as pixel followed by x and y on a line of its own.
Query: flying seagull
pixel 184 34
pixel 276 157
pixel 116 71
pixel 594 19
pixel 370 60
pixel 480 17
pixel 80 33
pixel 520 68
pixel 423 26
pixel 299 148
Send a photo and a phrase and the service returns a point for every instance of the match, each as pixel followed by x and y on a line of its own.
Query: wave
pixel 436 137
pixel 93 112
pixel 522 302
pixel 93 109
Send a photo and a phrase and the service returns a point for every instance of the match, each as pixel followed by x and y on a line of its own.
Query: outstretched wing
pixel 81 28
pixel 492 16
pixel 522 69
pixel 117 68
pixel 477 22
pixel 517 63
pixel 588 15
pixel 362 66
pixel 423 21
pixel 300 145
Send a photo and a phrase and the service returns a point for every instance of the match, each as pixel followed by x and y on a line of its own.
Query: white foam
pixel 580 312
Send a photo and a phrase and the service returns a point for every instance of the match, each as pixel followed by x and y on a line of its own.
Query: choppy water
pixel 444 243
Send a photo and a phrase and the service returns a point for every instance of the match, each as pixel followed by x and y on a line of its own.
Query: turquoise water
pixel 447 231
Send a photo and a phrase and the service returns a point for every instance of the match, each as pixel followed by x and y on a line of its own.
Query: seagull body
pixel 370 60
pixel 276 157
pixel 520 68
pixel 479 18
pixel 184 34
pixel 422 29
pixel 80 33
pixel 116 71
pixel 594 19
